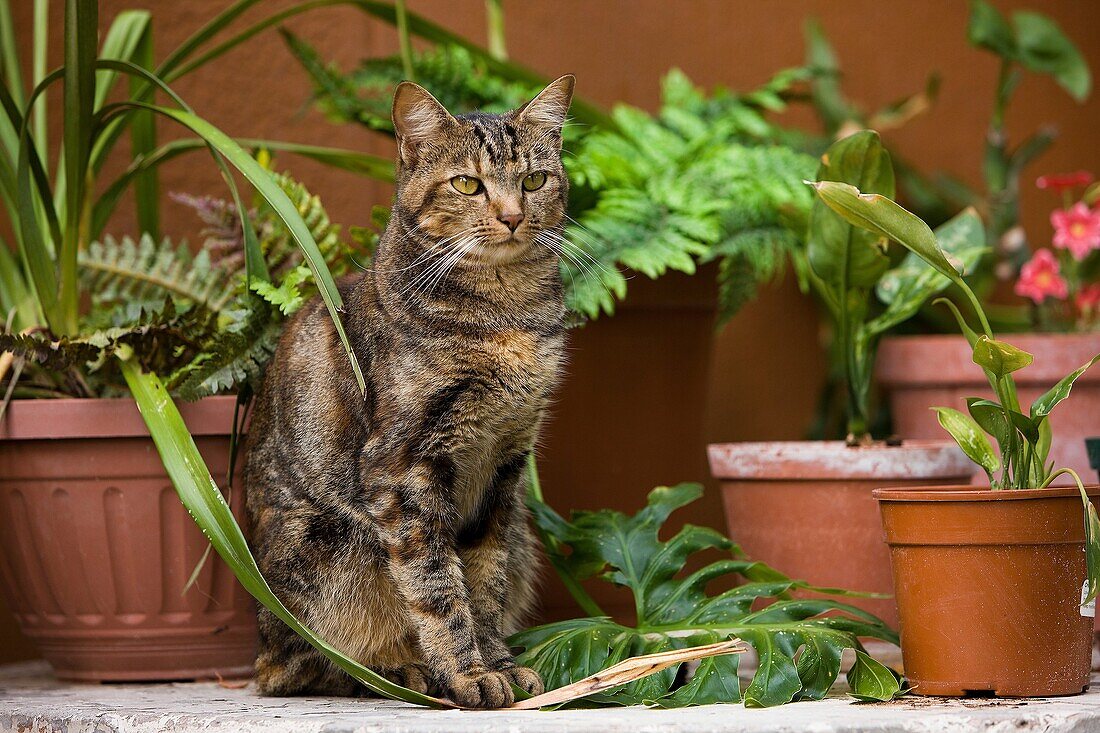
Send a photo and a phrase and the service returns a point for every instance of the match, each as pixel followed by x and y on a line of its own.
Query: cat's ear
pixel 551 106
pixel 417 118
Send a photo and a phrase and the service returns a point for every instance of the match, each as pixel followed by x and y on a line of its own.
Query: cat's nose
pixel 512 221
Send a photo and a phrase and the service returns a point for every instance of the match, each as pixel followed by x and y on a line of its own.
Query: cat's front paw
pixel 481 689
pixel 524 678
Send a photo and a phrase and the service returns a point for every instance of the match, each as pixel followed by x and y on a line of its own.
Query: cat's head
pixel 489 184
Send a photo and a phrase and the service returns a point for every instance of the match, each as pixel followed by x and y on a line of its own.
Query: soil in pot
pixel 806 508
pixel 989 585
pixel 97 547
pixel 921 372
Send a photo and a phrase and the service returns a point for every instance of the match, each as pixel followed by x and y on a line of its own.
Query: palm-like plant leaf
pixel 798 641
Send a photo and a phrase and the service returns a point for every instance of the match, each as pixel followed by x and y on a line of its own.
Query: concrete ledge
pixel 31 700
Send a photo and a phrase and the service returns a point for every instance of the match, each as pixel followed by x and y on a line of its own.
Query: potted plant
pixel 920 371
pixel 996 587
pixel 101 564
pixel 785 499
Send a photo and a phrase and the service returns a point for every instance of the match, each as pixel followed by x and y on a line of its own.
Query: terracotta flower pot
pixel 989 585
pixel 806 507
pixel 920 372
pixel 96 547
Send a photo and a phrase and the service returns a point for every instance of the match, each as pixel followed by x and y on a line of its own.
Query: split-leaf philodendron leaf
pixel 799 641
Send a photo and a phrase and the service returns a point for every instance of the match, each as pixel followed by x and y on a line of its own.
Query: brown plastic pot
pixel 96 547
pixel 920 372
pixel 989 585
pixel 806 507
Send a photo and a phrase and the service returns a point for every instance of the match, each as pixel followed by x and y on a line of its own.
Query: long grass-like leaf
pixel 130 39
pixel 9 57
pixel 212 28
pixel 81 29
pixel 36 251
pixel 122 43
pixel 581 110
pixel 199 493
pixel 280 204
pixel 143 140
pixel 372 166
pixel 38 67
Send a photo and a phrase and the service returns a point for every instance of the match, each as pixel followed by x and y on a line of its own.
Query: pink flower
pixel 1088 298
pixel 1076 229
pixel 1040 278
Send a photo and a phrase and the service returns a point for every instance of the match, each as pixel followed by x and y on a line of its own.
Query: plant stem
pixel 494 16
pixel 553 547
pixel 403 40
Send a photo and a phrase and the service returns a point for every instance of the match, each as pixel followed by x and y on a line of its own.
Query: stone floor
pixel 31 701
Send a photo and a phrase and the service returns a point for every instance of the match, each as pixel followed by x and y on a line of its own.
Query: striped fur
pixel 394 525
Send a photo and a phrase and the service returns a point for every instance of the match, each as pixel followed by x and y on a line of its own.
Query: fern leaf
pixel 234 356
pixel 140 274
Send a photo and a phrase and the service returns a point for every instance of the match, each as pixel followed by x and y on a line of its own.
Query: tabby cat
pixel 394 524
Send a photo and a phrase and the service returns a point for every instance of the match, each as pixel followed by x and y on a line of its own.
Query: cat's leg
pixel 288 665
pixel 415 524
pixel 487 542
pixel 416 677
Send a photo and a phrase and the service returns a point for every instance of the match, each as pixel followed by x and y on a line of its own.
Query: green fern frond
pixel 234 356
pixel 160 337
pixel 699 181
pixel 459 81
pixel 140 274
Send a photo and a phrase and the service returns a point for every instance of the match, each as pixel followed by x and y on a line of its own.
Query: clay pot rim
pixel 909 361
pixel 964 493
pixel 832 459
pixel 912 338
pixel 67 418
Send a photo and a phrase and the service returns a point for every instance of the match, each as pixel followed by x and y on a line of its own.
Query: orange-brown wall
pixel 648 388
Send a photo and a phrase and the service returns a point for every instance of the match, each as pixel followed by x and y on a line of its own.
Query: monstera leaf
pixel 799 641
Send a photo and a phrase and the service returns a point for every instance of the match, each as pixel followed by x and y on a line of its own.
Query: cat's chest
pixel 506 375
pixel 515 370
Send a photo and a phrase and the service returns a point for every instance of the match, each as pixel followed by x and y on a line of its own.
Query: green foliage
pixel 237 354
pixel 128 275
pixel 461 81
pixel 233 356
pixel 703 180
pixel 84 365
pixel 1023 439
pixel 849 262
pixel 341 251
pixel 799 641
pixel 1034 41
pixel 189 317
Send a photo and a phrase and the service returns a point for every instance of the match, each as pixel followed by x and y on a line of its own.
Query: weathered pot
pixel 806 507
pixel 920 372
pixel 989 585
pixel 97 548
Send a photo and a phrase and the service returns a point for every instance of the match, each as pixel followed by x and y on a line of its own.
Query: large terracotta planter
pixel 989 585
pixel 96 547
pixel 920 372
pixel 806 507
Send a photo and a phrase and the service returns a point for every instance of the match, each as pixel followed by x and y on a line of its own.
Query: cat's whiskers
pixel 427 254
pixel 580 255
pixel 555 243
pixel 461 251
pixel 540 240
pixel 588 238
pixel 434 259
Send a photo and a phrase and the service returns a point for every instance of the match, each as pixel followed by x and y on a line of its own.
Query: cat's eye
pixel 467 185
pixel 534 181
